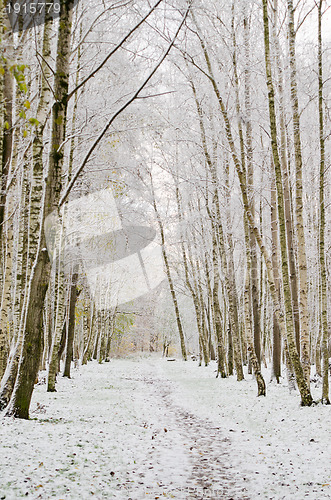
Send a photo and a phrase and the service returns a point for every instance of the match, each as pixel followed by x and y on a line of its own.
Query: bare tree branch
pixel 122 108
pixel 127 36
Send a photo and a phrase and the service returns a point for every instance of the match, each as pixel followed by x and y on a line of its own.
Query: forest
pixel 165 187
pixel 165 249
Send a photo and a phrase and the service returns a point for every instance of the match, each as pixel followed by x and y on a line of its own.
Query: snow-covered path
pixel 189 456
pixel 114 432
pixel 148 428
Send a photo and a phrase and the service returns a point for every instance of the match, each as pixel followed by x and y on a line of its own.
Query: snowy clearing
pixel 149 428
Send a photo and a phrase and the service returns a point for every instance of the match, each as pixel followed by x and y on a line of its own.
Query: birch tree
pixel 324 317
pixel 301 251
pixel 31 348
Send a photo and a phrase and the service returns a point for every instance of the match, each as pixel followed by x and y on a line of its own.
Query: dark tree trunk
pixel 31 350
pixel 62 345
pixel 71 326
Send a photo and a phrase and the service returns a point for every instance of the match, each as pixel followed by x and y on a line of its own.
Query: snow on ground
pixel 149 428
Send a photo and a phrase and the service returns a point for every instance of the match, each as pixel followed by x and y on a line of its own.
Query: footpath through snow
pixel 147 428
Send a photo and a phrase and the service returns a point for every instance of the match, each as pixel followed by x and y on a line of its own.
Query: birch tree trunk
pixel 5 334
pixel 323 315
pixel 192 286
pixel 200 303
pixel 60 319
pixel 169 277
pixel 254 280
pixel 217 317
pixel 248 323
pixel 276 353
pixel 6 131
pixel 209 310
pixel 71 325
pixel 286 183
pixel 90 331
pixel 32 341
pixel 2 102
pixel 301 250
pixel 204 330
pixel 192 283
pixel 235 327
pixel 11 304
pixel 7 103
